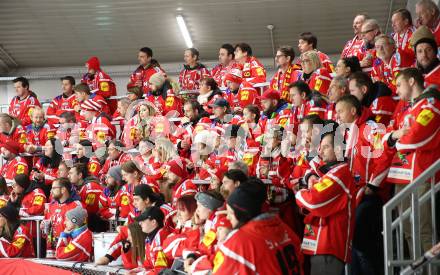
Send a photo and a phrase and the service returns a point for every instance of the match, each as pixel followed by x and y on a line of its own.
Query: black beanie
pixel 246 200
pixel 22 180
pixel 10 213
pixel 144 191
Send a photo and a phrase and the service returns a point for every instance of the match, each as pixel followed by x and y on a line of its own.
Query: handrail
pixel 410 192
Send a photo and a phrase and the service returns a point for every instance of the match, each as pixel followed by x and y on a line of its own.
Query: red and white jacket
pixel 90 194
pixel 99 130
pixel 155 259
pixel 319 80
pixel 39 136
pixel 405 52
pixel 109 163
pixel 14 167
pixel 143 74
pixel 19 246
pixel 23 108
pixel 76 246
pixel 17 134
pixel 100 84
pixel 245 95
pixel 330 208
pixel 433 77
pixel 110 204
pixel 253 71
pixel 281 80
pixel 353 47
pixel 275 167
pixel 189 78
pixel 387 73
pixel 60 104
pixel 219 72
pixel 277 246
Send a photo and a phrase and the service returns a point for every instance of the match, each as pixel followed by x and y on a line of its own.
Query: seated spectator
pixel 83 93
pixel 22 105
pixel 63 170
pixel 275 111
pixel 220 110
pixel 208 93
pixel 99 82
pixel 250 123
pixel 46 169
pixel 354 46
pixel 163 95
pixel 114 202
pixel 67 131
pixel 64 199
pixel 145 159
pixel 152 223
pixel 38 132
pixel 369 31
pixel 226 58
pixel 147 67
pixel 134 92
pixel 386 65
pixel 403 29
pixel 376 97
pixel 316 76
pixel 428 14
pixel 131 249
pixel 240 93
pixel 139 126
pixel 85 154
pixel 15 239
pixel 89 190
pixel 253 70
pixel 97 125
pixel 4 192
pixel 309 42
pixel 330 204
pixel 11 130
pixel 256 233
pixel 287 73
pixel 426 50
pixel 27 197
pixel 14 165
pixel 76 241
pixel 120 115
pixel 232 179
pixel 347 65
pixel 116 156
pixel 338 88
pixel 62 103
pixel 193 71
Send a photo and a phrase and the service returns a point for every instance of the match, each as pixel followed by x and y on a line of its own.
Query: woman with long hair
pixel 15 239
pixel 131 248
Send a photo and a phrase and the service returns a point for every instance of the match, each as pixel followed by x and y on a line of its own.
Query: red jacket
pixel 281 81
pixel 60 104
pixel 14 167
pixel 109 163
pixel 433 77
pixel 418 149
pixel 253 71
pixel 170 103
pixel 76 246
pixel 50 174
pixel 353 47
pixel 330 207
pixel 99 130
pixel 56 214
pixel 39 136
pixel 102 84
pixel 32 203
pixel 386 73
pixel 279 117
pixel 245 95
pixel 17 133
pixel 264 245
pixel 319 80
pixel 19 246
pixel 189 78
pixel 404 50
pixel 116 249
pixel 219 72
pixel 143 74
pixel 275 167
pixel 155 259
pixel 22 109
pixel 90 193
pixel 109 204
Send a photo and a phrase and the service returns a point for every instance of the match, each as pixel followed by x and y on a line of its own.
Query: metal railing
pixel 395 217
pixel 85 268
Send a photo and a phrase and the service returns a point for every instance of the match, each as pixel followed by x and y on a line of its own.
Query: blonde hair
pixel 165 148
pixel 315 61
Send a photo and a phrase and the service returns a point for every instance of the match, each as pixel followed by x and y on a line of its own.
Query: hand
pixel 102 261
pixel 367 61
pixel 30 148
pixel 134 271
pixel 312 180
pixel 184 120
pixel 13 197
pixel 396 135
pixel 77 108
pixel 187 265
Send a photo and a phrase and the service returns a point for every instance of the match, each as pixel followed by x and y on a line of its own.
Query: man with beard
pixel 162 94
pixel 147 67
pixel 426 55
pixel 276 111
pixel 64 199
pixel 62 103
pixel 231 180
pixel 226 63
pixel 15 165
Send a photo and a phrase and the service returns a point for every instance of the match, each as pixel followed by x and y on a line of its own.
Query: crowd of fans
pixel 232 178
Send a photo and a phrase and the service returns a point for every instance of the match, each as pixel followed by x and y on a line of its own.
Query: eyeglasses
pixel 365 32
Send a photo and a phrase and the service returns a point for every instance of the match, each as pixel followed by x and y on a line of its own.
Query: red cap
pixel 178 167
pixel 234 75
pixel 93 63
pixel 11 146
pixel 187 188
pixel 271 94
